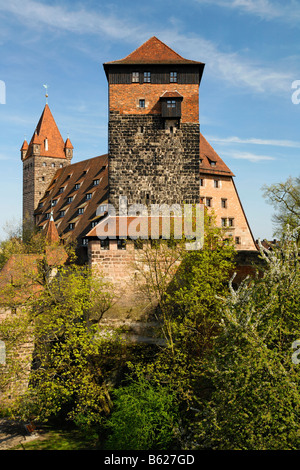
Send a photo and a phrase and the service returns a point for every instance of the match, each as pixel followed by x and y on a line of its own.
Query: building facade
pixel 156 155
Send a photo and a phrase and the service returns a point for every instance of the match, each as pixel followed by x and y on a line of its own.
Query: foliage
pixel 67 379
pixel 144 417
pixel 254 400
pixel 285 197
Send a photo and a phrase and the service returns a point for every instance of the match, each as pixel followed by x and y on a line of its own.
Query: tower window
pixel 44 164
pixel 147 77
pixel 53 165
pixel 171 104
pixel 142 103
pixel 135 77
pixel 173 77
pixel 46 144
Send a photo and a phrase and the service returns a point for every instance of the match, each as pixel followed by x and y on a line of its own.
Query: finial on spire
pixel 46 87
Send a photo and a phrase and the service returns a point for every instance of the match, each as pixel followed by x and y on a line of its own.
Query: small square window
pixel 142 103
pixel 171 103
pixel 104 244
pixel 147 77
pixel 173 77
pixel 135 77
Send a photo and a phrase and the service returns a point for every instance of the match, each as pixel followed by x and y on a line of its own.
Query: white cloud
pixel 269 10
pixel 232 68
pixel 251 157
pixel 78 21
pixel 270 142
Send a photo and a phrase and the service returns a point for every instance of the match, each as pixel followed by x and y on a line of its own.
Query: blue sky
pixel 251 49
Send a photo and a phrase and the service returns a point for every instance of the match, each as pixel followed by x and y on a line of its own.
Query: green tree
pixel 145 416
pixel 68 375
pixel 285 198
pixel 252 398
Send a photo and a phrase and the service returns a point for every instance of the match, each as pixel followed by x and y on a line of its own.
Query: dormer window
pixel 80 210
pixel 96 182
pixel 77 186
pixel 62 213
pixel 61 190
pixel 88 196
pixel 142 104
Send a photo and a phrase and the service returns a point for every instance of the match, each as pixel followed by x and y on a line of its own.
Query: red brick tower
pixel 154 130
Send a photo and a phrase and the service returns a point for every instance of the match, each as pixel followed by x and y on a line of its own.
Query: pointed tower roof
pixel 68 144
pixel 154 51
pixel 48 136
pixel 25 145
pixel 51 233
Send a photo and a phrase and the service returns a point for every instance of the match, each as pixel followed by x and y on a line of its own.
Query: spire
pixel 51 233
pixel 48 136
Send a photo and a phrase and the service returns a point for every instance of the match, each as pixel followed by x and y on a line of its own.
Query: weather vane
pixel 46 87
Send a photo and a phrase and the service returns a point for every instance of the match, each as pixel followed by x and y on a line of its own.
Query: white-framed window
pixel 135 77
pixel 142 103
pixel 173 77
pixel 147 77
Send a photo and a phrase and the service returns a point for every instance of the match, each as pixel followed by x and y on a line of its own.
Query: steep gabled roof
pixel 47 129
pixel 153 51
pixel 62 187
pixel 210 162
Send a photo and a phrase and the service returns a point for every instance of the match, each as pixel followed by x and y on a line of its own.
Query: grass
pixel 58 439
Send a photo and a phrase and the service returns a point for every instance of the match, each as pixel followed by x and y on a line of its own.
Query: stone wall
pixel 150 164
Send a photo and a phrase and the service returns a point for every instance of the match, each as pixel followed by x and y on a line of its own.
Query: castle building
pixel 156 155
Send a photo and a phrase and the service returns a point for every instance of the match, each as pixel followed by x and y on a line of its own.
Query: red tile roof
pixel 47 129
pixel 154 51
pixel 211 162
